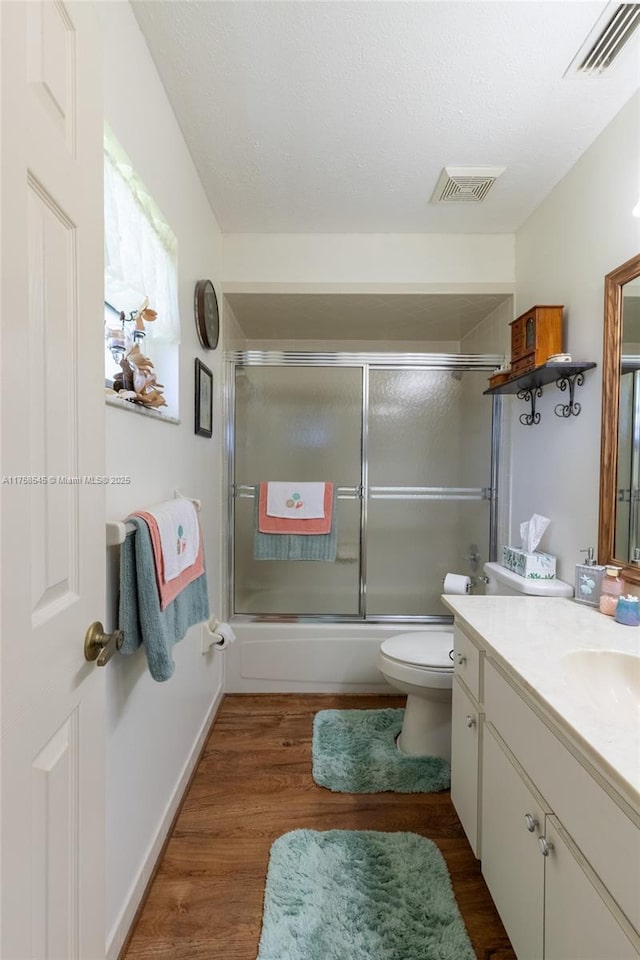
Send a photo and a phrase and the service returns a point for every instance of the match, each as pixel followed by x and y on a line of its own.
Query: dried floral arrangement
pixel 137 382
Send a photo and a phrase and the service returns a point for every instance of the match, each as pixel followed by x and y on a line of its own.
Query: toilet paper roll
pixel 227 634
pixel 222 633
pixel 457 583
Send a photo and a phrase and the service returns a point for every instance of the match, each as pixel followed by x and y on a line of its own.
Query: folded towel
pixel 168 591
pixel 304 501
pixel 177 522
pixel 140 616
pixel 285 546
pixel 295 525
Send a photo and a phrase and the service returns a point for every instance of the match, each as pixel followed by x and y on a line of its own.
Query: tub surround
pixel 310 657
pixel 529 637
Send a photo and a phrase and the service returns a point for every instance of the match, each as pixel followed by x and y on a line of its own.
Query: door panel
pixel 512 864
pixel 53 534
pixel 429 448
pixel 303 424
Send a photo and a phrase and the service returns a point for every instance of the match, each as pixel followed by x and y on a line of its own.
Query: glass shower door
pixel 301 423
pixel 429 470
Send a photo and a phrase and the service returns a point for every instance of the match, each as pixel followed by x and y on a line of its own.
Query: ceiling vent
pixel 465 184
pixel 606 41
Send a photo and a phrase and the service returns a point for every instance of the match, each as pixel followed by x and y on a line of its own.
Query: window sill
pixel 143 411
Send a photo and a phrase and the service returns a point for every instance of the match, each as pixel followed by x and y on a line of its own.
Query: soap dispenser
pixel 589 577
pixel 611 591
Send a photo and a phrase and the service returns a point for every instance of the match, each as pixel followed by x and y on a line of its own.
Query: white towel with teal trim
pixel 302 501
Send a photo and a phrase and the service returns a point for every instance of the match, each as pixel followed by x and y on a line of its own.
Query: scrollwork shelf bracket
pixel 572 408
pixel 530 395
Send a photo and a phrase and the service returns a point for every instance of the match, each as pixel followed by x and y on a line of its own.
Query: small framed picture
pixel 204 400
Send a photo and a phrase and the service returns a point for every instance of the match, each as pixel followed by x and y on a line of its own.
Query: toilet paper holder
pixel 473 581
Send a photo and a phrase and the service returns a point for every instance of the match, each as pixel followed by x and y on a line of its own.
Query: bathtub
pixel 311 657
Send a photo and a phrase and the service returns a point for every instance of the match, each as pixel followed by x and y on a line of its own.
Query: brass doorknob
pixel 101 646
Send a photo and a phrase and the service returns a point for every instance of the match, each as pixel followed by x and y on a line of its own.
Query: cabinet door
pixel 512 864
pixel 578 922
pixel 466 722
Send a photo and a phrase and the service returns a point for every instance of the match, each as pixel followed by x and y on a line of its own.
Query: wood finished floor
pixel 254 783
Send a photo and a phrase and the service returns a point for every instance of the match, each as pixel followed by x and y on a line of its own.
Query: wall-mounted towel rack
pixel 117 530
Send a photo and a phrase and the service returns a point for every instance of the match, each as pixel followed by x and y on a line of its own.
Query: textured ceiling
pixel 337 117
pixel 396 317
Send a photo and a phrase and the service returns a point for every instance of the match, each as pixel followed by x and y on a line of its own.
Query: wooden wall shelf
pixel 528 386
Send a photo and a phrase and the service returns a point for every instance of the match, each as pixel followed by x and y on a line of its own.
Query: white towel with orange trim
pixel 299 501
pixel 179 531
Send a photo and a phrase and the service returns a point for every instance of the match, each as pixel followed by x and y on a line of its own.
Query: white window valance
pixel 140 248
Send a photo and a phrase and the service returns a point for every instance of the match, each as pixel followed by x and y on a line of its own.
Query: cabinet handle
pixel 469 720
pixel 545 846
pixel 461 658
pixel 531 822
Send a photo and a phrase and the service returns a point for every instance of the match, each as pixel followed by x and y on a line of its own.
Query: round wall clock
pixel 206 310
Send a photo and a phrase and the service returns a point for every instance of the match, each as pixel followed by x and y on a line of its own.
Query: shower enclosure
pixel 410 443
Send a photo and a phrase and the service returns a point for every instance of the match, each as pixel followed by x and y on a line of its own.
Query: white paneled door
pixel 52 491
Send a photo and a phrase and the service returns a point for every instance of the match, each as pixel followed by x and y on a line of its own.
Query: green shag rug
pixel 360 895
pixel 354 751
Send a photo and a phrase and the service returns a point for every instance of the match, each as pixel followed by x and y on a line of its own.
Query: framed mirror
pixel 619 523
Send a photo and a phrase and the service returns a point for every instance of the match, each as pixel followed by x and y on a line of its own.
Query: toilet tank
pixel 503 582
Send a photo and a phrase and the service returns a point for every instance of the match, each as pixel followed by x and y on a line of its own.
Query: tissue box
pixel 534 566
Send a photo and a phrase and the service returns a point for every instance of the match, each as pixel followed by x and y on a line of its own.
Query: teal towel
pixel 141 618
pixel 291 546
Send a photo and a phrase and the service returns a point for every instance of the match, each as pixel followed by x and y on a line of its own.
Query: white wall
pixel 154 727
pixel 412 260
pixel 582 230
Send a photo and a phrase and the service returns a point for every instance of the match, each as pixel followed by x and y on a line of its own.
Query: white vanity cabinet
pixel 466 735
pixel 551 902
pixel 466 724
pixel 560 854
pixel 579 915
pixel 512 865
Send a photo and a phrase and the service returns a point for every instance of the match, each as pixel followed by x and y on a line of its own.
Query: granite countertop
pixel 530 637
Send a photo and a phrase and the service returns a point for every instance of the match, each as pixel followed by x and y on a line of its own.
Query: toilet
pixel 503 582
pixel 420 664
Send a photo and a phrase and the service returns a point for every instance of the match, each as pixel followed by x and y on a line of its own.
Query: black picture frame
pixel 203 400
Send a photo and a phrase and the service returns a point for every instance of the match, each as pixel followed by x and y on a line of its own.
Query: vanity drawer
pixel 467 662
pixel 606 835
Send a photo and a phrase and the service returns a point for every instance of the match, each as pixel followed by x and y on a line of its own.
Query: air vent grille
pixel 609 43
pixel 465 184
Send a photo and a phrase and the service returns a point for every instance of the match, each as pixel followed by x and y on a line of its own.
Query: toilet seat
pixel 420 649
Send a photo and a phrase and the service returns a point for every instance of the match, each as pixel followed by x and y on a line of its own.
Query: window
pixel 140 271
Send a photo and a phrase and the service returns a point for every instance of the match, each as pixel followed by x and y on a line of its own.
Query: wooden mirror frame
pixel 611 357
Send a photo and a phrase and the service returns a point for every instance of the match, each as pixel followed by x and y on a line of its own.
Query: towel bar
pixel 247 491
pixel 117 530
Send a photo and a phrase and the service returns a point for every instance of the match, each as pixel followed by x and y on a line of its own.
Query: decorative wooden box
pixel 535 336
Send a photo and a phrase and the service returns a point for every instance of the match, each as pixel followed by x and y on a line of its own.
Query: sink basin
pixel 609 679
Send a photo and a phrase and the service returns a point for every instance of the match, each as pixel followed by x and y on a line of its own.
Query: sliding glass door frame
pixel 366 362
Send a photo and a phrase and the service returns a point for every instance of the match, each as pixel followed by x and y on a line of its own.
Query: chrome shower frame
pixel 366 361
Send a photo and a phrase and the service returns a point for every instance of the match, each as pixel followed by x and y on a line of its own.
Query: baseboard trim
pixel 117 947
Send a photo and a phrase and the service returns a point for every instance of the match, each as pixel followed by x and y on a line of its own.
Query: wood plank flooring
pixel 254 783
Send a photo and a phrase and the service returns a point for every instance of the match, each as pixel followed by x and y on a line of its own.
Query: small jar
pixel 628 611
pixel 610 591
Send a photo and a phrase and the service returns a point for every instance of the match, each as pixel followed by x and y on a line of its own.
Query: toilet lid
pixel 421 649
